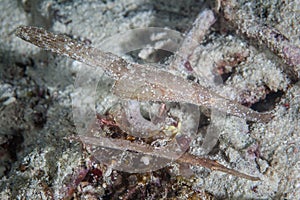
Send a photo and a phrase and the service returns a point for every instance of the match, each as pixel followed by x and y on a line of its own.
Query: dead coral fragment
pixel 262 34
pixel 200 27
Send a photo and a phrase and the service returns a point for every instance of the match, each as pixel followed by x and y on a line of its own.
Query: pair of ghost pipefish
pixel 158 85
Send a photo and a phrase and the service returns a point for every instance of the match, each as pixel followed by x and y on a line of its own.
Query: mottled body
pixel 135 81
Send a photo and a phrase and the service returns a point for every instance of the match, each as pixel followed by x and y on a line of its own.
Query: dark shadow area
pixel 9 149
pixel 269 102
pixel 177 15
